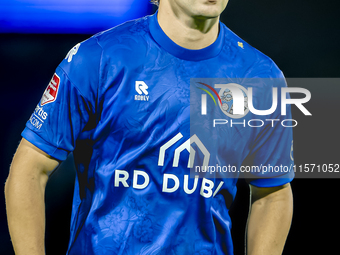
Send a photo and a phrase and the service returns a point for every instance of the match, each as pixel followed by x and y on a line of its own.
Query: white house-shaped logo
pixel 184 146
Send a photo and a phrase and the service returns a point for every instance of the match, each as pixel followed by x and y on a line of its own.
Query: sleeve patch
pixel 51 92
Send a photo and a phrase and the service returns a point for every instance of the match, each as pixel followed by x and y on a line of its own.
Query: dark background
pixel 301 36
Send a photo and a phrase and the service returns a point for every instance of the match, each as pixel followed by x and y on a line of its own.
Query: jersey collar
pixel 174 49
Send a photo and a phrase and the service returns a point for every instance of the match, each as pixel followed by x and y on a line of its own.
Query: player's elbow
pixel 6 188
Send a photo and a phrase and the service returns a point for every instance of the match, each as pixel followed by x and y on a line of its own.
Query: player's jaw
pixel 199 8
pixel 211 8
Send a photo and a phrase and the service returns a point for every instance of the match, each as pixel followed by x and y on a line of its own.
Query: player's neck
pixel 188 32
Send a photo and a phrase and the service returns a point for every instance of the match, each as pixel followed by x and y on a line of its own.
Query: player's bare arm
pixel 24 192
pixel 269 219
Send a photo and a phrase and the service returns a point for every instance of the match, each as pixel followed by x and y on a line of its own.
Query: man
pixel 120 101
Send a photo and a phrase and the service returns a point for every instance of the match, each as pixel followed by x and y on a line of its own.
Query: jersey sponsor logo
pixel 40 113
pixel 184 146
pixel 171 182
pixel 142 90
pixel 35 121
pixel 72 52
pixel 51 91
pixel 38 117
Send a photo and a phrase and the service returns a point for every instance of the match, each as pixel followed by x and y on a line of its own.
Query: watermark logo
pixel 235 101
pixel 229 99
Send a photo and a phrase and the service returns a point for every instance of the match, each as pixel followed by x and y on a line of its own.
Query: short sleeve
pixel 272 149
pixel 68 103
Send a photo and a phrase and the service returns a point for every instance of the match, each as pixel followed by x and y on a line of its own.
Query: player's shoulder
pixel 117 37
pixel 127 37
pixel 132 28
pixel 122 43
pixel 85 54
pixel 122 34
pixel 251 58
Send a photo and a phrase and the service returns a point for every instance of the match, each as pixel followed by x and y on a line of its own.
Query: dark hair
pixel 156 2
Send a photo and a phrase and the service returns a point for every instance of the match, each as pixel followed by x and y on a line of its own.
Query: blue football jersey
pixel 123 103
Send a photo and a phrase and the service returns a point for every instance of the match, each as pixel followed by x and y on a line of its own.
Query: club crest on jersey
pixel 51 91
pixel 142 90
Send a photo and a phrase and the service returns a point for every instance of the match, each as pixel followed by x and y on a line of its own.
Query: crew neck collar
pixel 178 51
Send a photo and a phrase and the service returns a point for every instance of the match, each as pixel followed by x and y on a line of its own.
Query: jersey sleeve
pixel 69 102
pixel 272 149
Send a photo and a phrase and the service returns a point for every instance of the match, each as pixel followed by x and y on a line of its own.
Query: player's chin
pixel 210 11
pixel 208 15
